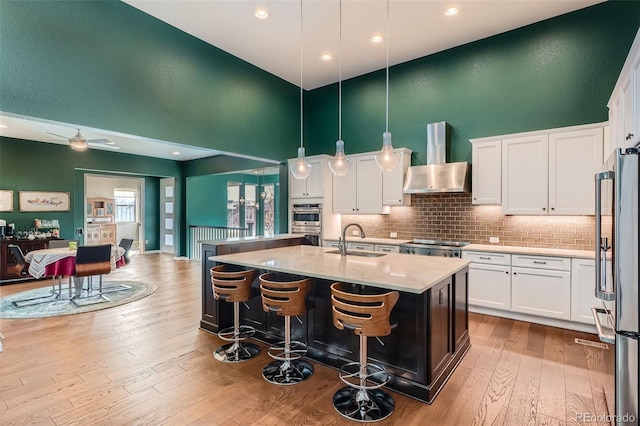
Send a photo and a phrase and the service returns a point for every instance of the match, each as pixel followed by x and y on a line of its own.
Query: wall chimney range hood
pixel 438 176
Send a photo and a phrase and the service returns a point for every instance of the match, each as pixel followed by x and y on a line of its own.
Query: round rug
pixel 44 304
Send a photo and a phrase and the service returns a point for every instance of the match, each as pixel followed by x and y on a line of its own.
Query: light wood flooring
pixel 147 363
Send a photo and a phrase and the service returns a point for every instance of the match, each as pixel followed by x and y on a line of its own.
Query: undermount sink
pixel 358 253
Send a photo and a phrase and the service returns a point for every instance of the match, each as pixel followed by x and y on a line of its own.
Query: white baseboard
pixel 569 325
pixel 180 258
pixel 151 251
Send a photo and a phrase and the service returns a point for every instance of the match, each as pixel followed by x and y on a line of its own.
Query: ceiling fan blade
pixel 60 136
pixel 103 145
pixel 100 141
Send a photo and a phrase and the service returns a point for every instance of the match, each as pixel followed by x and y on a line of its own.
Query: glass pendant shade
pixel 301 169
pixel 340 164
pixel 387 159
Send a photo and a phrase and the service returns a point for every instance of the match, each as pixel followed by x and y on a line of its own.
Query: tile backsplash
pixel 452 217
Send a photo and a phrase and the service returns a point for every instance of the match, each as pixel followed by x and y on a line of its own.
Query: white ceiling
pixel 417 28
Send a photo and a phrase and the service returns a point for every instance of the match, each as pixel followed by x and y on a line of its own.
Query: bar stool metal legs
pixel 234 287
pixel 286 297
pixel 363 400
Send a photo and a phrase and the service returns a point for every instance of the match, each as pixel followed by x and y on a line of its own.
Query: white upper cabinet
pixel 574 158
pixel 360 191
pixel 486 171
pixel 624 104
pixel 393 181
pixel 311 187
pixel 525 174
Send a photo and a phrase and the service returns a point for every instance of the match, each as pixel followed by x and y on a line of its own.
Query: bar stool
pixel 367 315
pixel 287 298
pixel 234 286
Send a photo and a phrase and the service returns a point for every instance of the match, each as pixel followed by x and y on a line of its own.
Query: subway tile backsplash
pixel 452 217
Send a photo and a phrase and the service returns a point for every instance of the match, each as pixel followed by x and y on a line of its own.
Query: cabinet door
pixel 439 324
pixel 525 175
pixel 486 172
pixel 541 292
pixel 344 191
pixel 297 187
pixel 393 182
pixel 314 181
pixel 583 284
pixel 369 185
pixel 635 139
pixel 627 111
pixel 490 286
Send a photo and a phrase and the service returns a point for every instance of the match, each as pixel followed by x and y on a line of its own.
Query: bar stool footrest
pixel 350 375
pixel 288 372
pixel 363 405
pixel 229 334
pixel 296 351
pixel 236 352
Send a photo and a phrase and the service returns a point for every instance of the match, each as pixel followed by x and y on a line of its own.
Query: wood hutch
pixel 101 223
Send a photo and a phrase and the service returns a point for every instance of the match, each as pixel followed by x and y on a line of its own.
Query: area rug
pixel 32 309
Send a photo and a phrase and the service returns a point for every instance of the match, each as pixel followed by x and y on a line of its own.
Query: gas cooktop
pixel 433 247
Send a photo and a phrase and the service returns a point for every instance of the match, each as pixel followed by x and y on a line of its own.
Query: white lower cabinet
pixel 490 286
pixel 541 292
pixel 361 246
pixel 583 284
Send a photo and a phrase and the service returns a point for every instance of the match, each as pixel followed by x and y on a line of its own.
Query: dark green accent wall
pixel 38 166
pixel 559 72
pixel 105 64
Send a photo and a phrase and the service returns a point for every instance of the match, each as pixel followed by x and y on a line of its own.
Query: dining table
pixel 61 262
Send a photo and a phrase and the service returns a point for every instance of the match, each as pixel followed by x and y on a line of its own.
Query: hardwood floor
pixel 147 363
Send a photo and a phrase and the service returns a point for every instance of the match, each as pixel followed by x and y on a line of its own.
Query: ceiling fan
pixel 80 143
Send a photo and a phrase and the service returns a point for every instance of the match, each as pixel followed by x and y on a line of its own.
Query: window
pixel 233 205
pixel 125 205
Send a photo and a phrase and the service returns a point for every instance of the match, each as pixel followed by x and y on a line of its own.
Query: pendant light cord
pixel 340 77
pixel 301 95
pixel 387 104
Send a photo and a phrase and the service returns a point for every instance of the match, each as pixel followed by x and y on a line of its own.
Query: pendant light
pixel 340 164
pixel 387 159
pixel 301 169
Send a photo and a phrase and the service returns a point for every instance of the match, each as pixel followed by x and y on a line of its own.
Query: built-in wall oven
pixel 307 219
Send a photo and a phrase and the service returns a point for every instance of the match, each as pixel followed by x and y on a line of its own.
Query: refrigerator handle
pixel 601 243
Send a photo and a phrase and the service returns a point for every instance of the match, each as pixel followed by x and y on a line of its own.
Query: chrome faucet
pixel 343 239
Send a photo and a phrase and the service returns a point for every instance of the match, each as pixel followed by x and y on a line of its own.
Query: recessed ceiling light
pixel 376 38
pixel 176 152
pixel 451 11
pixel 326 57
pixel 262 13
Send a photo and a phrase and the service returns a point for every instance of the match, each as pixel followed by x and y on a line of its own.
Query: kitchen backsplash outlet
pixel 452 217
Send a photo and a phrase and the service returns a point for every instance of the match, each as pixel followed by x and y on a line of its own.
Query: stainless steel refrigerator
pixel 617 195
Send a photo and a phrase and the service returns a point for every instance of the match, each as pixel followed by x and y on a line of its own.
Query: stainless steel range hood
pixel 438 176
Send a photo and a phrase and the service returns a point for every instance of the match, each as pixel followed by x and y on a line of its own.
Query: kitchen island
pixel 431 336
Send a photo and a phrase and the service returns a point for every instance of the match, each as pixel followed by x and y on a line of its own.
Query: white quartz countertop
pixel 411 274
pixel 251 239
pixel 387 241
pixel 580 254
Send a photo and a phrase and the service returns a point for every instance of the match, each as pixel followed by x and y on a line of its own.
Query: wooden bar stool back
pixel 367 315
pixel 287 297
pixel 234 287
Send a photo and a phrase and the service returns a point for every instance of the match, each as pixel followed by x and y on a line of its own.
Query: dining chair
pixel 61 243
pixel 21 270
pixel 126 244
pixel 90 261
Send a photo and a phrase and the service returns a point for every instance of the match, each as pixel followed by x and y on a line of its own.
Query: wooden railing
pixel 198 233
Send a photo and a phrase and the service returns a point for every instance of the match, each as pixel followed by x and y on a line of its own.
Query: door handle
pixel 601 243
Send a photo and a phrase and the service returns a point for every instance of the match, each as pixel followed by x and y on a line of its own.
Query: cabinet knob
pixel 553 208
pixel 474 198
pixel 506 272
pixel 515 273
pixel 544 208
pixel 629 136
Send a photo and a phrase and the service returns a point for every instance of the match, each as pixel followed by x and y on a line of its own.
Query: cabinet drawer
pixel 387 248
pixel 487 257
pixel 541 262
pixel 360 246
pixel 330 243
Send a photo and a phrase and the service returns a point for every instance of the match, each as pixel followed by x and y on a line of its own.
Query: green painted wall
pixel 105 64
pixel 38 166
pixel 556 73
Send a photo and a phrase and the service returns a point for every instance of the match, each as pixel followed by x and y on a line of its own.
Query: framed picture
pixel 37 201
pixel 6 200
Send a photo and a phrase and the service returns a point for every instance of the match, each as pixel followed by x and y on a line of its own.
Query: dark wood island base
pixel 429 341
